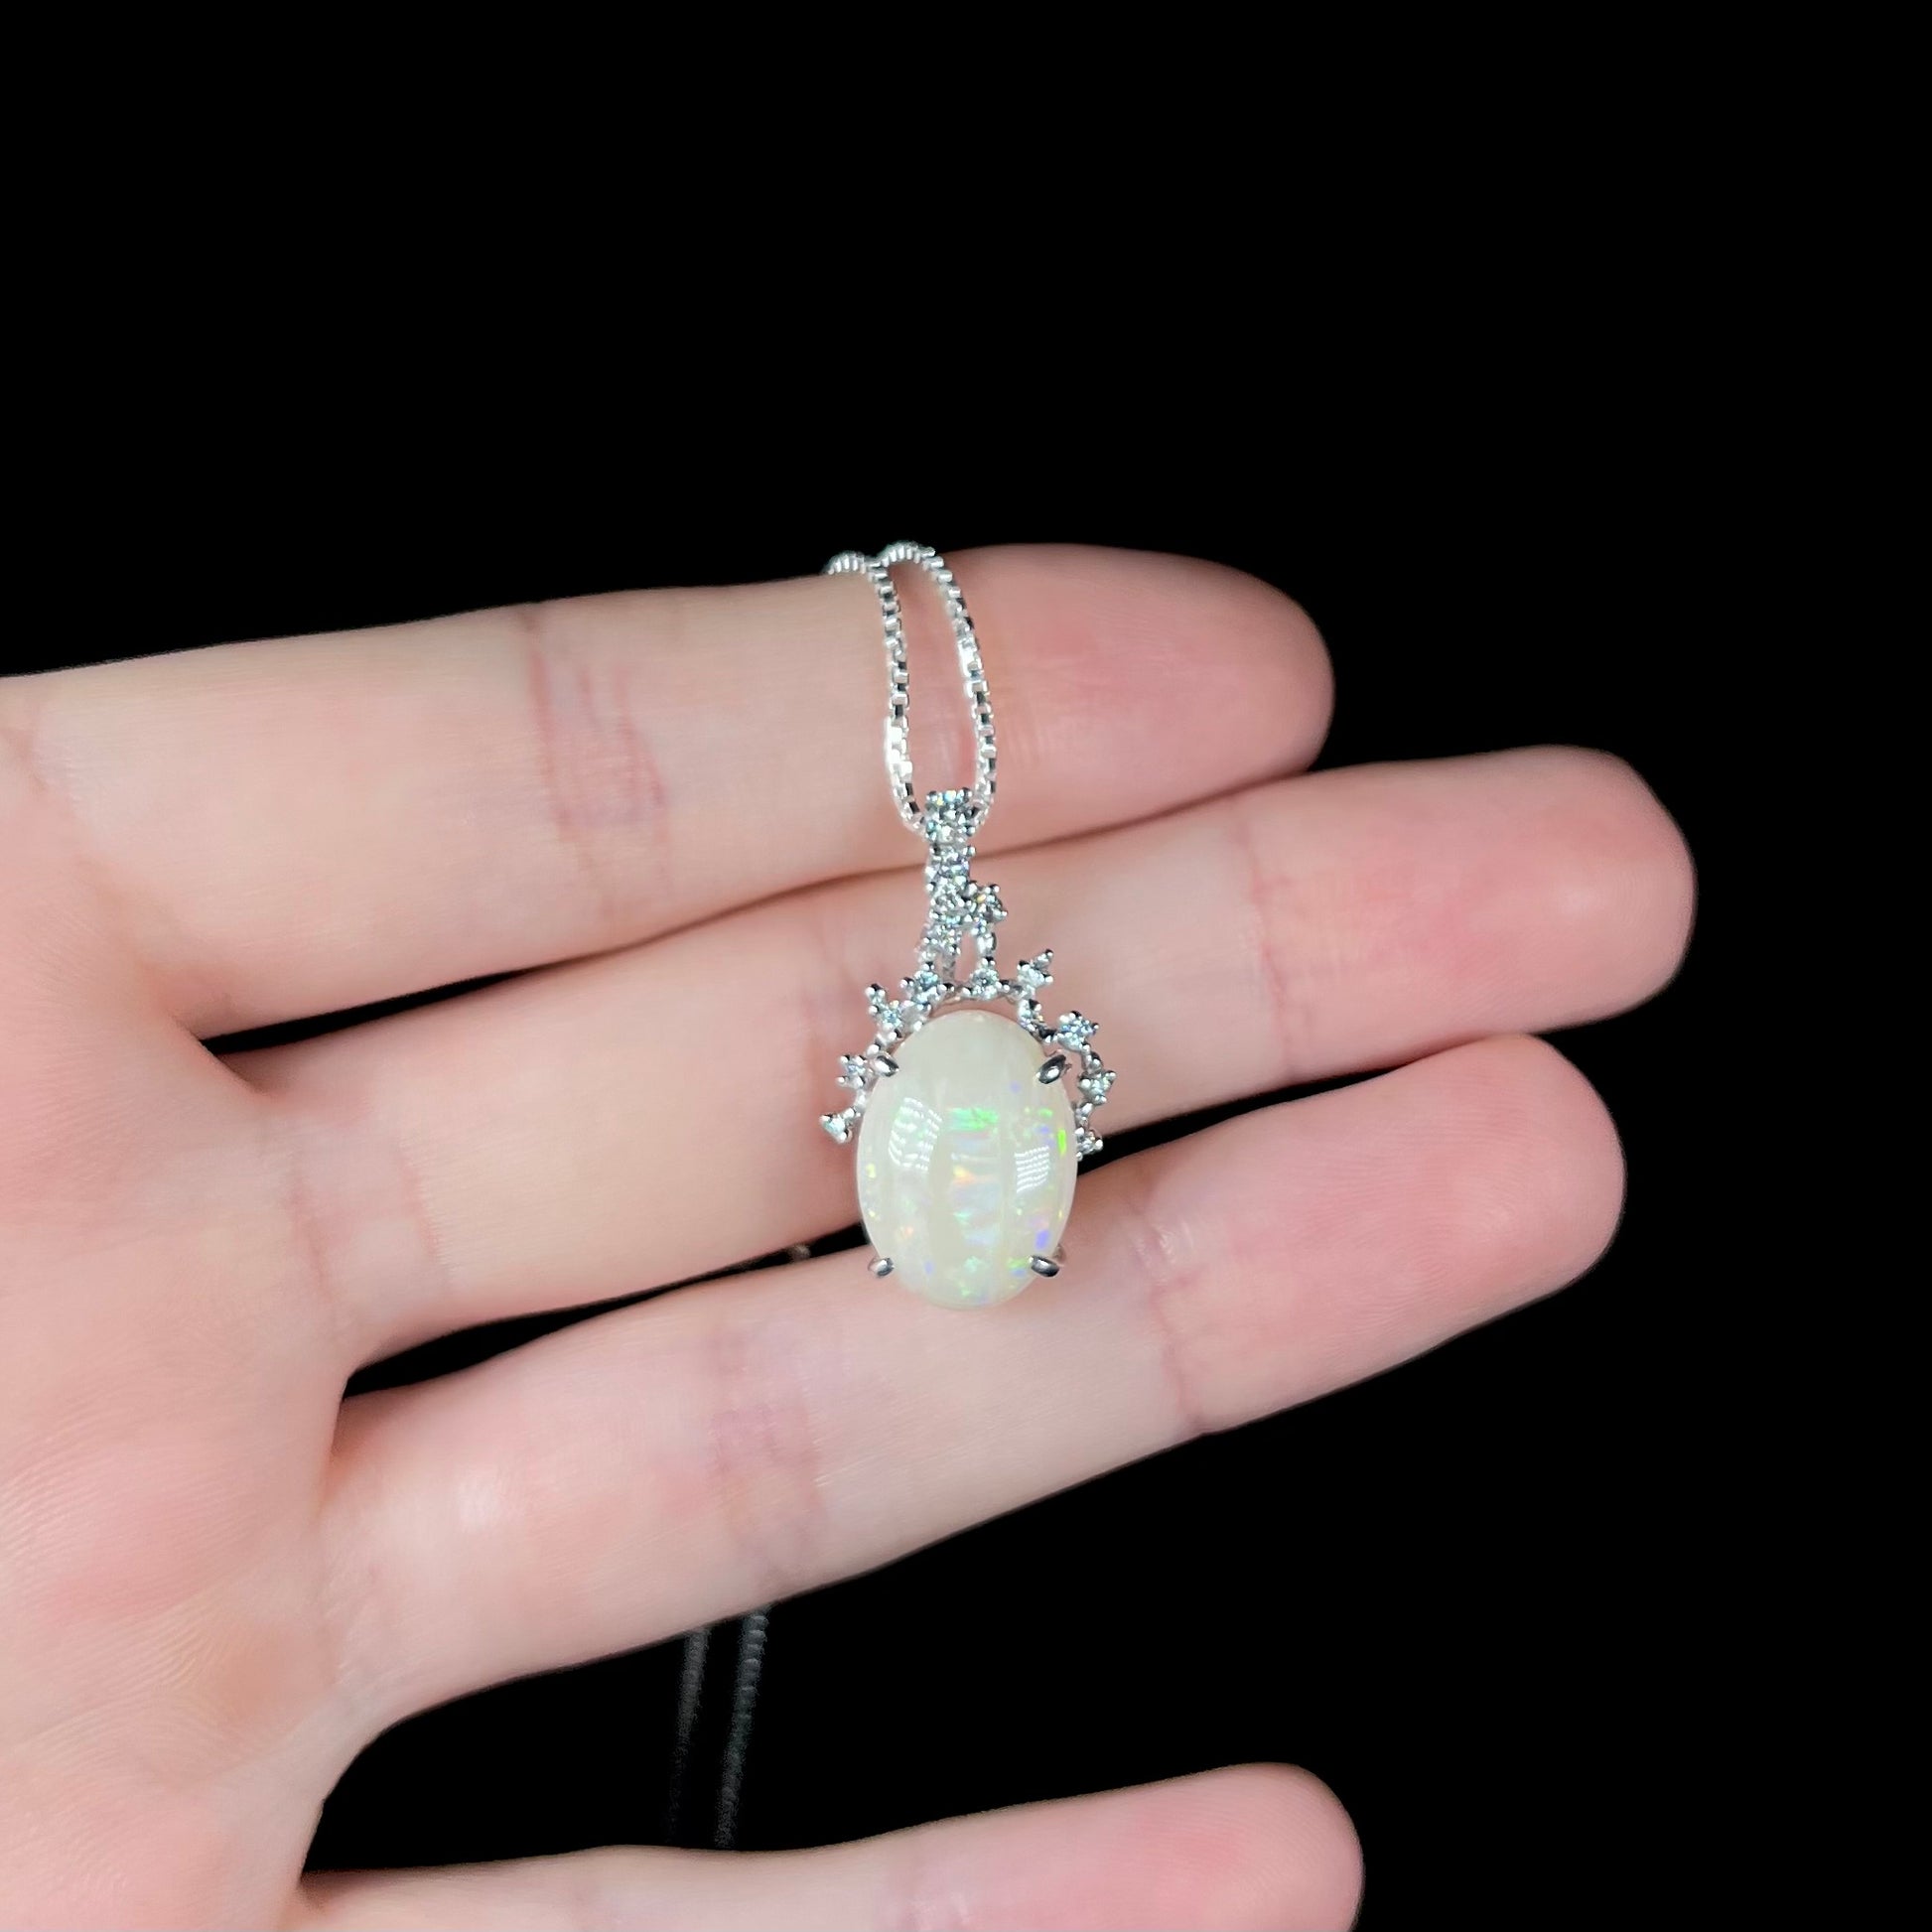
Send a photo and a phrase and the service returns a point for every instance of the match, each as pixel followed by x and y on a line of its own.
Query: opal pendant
pixel 972 1112
pixel 966 1161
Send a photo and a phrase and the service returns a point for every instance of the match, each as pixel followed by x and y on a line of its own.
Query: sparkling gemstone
pixel 949 873
pixel 949 817
pixel 1034 973
pixel 1074 1029
pixel 984 982
pixel 966 1161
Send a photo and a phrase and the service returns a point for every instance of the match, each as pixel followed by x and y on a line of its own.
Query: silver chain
pixel 878 571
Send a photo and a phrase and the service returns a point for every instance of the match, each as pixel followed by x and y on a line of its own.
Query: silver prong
pixel 883 1266
pixel 1040 1265
pixel 1051 1068
pixel 886 1065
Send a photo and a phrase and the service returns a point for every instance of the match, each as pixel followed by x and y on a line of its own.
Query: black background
pixel 1467 1593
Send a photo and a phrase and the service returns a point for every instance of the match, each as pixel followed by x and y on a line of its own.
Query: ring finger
pixel 673 1462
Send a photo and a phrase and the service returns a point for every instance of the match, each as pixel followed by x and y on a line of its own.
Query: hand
pixel 220 1581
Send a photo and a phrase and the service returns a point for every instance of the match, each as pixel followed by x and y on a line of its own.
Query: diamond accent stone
pixel 1096 1082
pixel 1032 974
pixel 949 818
pixel 1074 1029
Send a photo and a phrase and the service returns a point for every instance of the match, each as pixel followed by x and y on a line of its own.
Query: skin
pixel 218 1580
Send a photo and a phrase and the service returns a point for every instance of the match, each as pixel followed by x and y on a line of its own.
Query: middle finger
pixel 603 1127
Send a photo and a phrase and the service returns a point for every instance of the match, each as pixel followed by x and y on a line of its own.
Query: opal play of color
pixel 967 1160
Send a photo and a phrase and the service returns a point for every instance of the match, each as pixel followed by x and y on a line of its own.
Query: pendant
pixel 971 1111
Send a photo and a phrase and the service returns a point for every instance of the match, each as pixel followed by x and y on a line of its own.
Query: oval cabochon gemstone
pixel 966 1161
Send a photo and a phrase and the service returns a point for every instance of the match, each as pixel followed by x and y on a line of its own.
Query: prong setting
pixel 1044 1266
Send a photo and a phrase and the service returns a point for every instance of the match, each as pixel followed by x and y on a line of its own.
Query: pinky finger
pixel 1256 1846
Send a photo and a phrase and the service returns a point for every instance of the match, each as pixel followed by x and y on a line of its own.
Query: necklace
pixel 971 1120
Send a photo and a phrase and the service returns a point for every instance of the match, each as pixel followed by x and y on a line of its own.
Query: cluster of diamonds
pixel 959 907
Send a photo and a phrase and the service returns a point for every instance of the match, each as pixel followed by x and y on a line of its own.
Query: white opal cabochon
pixel 966 1161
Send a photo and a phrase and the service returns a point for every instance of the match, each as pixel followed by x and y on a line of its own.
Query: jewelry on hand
pixel 970 1125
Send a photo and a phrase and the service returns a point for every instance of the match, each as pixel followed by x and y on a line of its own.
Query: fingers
pixel 116 1131
pixel 658 1468
pixel 306 825
pixel 650 1116
pixel 1258 1847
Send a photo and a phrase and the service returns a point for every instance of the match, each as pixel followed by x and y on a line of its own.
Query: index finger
pixel 304 825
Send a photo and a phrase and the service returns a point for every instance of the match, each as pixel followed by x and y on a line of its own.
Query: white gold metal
pixel 878 571
pixel 959 907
